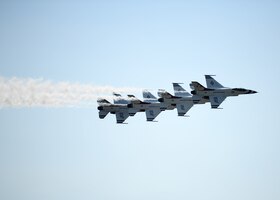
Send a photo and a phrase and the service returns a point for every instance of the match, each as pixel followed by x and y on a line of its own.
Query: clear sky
pixel 69 153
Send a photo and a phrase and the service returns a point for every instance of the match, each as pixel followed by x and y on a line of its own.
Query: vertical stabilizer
pixel 197 86
pixel 119 99
pixel 149 97
pixel 179 91
pixel 212 83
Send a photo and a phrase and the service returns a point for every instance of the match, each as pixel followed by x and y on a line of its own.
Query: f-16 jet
pixel 125 107
pixel 181 99
pixel 215 91
pixel 120 110
pixel 150 105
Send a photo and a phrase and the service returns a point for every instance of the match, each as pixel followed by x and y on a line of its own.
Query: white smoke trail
pixel 28 92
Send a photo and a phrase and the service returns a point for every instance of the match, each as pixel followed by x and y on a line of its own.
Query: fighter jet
pixel 125 107
pixel 135 105
pixel 215 91
pixel 120 110
pixel 181 99
pixel 150 105
pixel 119 99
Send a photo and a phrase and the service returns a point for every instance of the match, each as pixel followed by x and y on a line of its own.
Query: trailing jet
pixel 181 99
pixel 216 92
pixel 125 107
pixel 119 99
pixel 105 107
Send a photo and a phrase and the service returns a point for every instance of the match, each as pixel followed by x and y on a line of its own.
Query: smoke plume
pixel 28 92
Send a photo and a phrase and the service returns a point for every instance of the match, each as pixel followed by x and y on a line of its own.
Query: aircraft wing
pixel 183 108
pixel 152 113
pixel 121 115
pixel 216 101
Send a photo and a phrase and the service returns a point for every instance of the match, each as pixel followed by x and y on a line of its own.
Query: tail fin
pixel 117 94
pixel 179 91
pixel 197 86
pixel 102 101
pixel 133 99
pixel 164 94
pixel 149 97
pixel 212 83
pixel 119 99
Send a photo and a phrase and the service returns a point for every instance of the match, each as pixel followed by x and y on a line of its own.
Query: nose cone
pixel 253 92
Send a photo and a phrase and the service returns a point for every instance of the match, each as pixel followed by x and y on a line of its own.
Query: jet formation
pixel 183 101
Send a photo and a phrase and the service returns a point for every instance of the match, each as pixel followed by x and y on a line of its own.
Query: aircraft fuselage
pixel 225 92
pixel 112 108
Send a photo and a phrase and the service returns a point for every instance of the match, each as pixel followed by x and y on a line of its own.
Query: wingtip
pixel 117 94
pixel 209 75
pixel 121 123
pixel 177 83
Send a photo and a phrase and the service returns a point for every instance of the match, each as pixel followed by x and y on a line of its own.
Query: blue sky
pixel 69 153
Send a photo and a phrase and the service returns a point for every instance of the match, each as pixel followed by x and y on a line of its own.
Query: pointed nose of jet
pixel 253 92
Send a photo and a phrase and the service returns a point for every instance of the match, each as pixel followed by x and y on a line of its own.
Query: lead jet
pixel 181 99
pixel 215 91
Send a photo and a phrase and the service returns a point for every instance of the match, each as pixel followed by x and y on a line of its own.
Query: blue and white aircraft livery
pixel 216 92
pixel 183 101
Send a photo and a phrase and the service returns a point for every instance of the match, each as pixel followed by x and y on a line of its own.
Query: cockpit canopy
pixel 239 89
